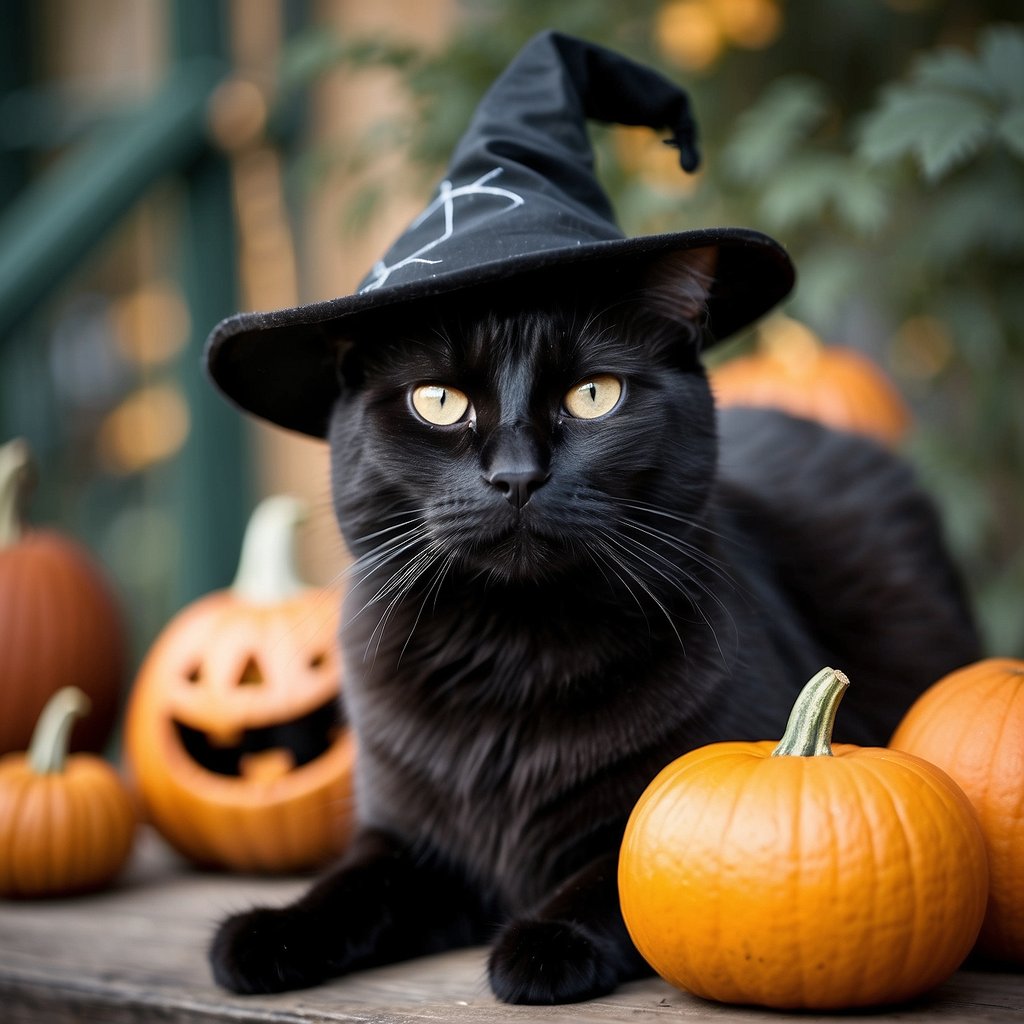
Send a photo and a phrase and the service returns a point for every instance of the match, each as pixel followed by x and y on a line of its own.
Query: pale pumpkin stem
pixel 809 729
pixel 791 343
pixel 48 751
pixel 267 572
pixel 15 475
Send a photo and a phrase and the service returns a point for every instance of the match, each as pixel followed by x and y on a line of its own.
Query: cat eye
pixel 594 396
pixel 438 404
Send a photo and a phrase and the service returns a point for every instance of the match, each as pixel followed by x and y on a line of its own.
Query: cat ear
pixel 678 285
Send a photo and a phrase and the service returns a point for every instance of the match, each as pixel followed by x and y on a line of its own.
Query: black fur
pixel 517 677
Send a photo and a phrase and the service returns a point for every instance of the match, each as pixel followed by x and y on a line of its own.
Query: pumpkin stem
pixel 809 729
pixel 16 471
pixel 48 751
pixel 266 569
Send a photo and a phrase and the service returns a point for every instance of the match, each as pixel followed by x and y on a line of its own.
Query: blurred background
pixel 165 163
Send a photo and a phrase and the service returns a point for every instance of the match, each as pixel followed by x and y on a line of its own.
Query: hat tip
pixel 689 155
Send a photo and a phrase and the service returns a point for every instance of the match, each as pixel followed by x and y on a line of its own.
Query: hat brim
pixel 281 365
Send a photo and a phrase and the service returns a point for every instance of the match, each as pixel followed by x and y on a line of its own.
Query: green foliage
pixel 953 105
pixel 311 53
pixel 773 152
pixel 786 116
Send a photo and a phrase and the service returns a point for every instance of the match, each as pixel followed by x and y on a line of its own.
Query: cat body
pixel 545 609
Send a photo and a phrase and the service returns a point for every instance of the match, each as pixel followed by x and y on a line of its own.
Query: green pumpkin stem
pixel 809 730
pixel 16 470
pixel 48 751
pixel 267 572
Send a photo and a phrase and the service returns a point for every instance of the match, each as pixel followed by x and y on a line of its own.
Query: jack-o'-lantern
pixel 234 733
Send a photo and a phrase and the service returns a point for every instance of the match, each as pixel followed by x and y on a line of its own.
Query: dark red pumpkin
pixel 59 620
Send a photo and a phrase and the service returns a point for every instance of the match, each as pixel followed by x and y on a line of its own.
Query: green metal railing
pixel 57 219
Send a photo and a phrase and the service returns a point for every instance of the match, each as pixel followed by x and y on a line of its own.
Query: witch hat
pixel 519 196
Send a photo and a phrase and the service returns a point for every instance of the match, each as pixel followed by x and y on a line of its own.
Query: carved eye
pixel 439 404
pixel 594 396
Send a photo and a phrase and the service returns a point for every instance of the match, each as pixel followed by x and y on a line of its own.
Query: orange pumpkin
pixel 66 823
pixel 58 620
pixel 233 733
pixel 793 371
pixel 795 876
pixel 971 724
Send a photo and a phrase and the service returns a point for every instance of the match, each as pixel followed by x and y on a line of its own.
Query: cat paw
pixel 546 962
pixel 265 950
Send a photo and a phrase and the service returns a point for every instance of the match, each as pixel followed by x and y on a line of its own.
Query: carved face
pixel 235 734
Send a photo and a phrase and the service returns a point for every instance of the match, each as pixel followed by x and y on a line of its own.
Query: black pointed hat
pixel 519 197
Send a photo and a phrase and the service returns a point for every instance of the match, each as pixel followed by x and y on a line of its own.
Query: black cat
pixel 569 571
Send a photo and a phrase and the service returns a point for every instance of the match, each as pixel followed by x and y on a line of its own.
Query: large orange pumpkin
pixel 971 724
pixel 66 823
pixel 795 876
pixel 233 734
pixel 835 385
pixel 59 620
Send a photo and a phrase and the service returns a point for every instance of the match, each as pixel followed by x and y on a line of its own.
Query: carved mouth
pixel 282 746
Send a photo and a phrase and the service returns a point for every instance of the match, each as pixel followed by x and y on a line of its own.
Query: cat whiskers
pixel 645 553
pixel 413 553
pixel 608 543
pixel 657 510
pixel 398 588
pixel 394 549
pixel 693 552
pixel 414 532
pixel 690 551
pixel 435 588
pixel 695 604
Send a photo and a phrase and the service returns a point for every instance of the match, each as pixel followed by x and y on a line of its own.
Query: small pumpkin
pixel 798 877
pixel 233 732
pixel 66 822
pixel 793 371
pixel 58 620
pixel 971 724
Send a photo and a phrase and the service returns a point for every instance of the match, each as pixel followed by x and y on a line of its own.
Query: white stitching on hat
pixel 445 200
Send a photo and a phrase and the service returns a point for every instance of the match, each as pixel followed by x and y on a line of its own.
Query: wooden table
pixel 137 953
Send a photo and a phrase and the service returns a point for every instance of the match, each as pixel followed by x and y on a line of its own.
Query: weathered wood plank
pixel 137 953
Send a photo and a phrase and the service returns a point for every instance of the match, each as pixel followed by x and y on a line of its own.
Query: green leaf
pixel 801 194
pixel 955 71
pixel 1010 130
pixel 362 207
pixel 941 131
pixel 312 53
pixel 829 276
pixel 788 112
pixel 814 184
pixel 861 201
pixel 977 215
pixel 980 336
pixel 1002 56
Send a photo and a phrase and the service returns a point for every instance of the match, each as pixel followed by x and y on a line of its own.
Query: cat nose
pixel 517 485
pixel 516 463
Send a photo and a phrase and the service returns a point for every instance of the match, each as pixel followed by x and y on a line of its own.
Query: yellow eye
pixel 438 404
pixel 594 396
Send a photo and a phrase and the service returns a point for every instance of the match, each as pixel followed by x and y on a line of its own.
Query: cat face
pixel 515 439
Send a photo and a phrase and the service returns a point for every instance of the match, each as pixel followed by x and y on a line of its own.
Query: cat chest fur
pixel 510 755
